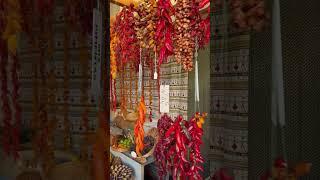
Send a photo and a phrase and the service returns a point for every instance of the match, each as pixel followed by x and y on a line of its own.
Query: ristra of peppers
pixel 113 61
pixel 160 152
pixel 138 129
pixel 165 29
pixel 128 42
pixel 177 139
pixel 201 26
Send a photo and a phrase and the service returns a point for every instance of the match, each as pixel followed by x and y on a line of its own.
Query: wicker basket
pixel 133 116
pixel 153 132
pixel 114 147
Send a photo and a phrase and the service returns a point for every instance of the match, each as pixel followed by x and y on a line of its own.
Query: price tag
pixel 164 98
pixel 155 75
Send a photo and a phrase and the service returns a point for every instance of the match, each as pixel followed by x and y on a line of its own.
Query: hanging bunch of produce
pixel 138 129
pixel 249 15
pixel 165 30
pixel 204 26
pixel 145 24
pixel 113 60
pixel 178 149
pixel 186 26
pixel 126 49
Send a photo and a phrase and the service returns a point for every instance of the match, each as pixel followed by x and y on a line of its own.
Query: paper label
pixel 164 98
pixel 155 75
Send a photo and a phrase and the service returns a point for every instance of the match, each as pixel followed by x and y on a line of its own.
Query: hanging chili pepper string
pixel 17 107
pixel 6 110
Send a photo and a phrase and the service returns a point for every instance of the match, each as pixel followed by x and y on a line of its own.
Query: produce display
pixel 145 23
pixel 187 20
pixel 149 143
pixel 121 172
pixel 159 30
pixel 178 149
pixel 126 49
pixel 124 143
pixel 121 143
pixel 165 30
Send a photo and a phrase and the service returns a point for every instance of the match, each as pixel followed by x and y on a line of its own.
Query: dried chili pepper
pixel 165 30
pixel 179 140
pixel 126 49
pixel 138 129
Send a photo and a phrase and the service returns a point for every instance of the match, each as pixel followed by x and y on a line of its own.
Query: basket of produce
pixel 121 143
pixel 120 122
pixel 132 116
pixel 149 141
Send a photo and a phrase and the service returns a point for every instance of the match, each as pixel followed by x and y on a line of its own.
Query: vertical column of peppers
pixel 113 65
pixel 84 91
pixel 178 148
pixel 165 29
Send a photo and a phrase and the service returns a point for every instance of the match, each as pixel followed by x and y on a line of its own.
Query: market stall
pixel 154 47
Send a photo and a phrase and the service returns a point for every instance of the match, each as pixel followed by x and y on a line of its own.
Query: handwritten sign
pixel 164 98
